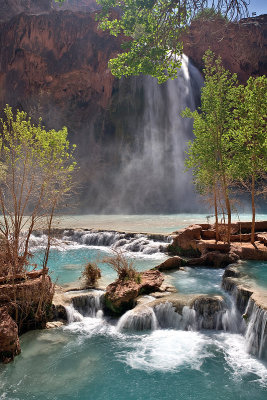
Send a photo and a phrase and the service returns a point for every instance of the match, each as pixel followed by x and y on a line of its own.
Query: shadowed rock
pixel 9 340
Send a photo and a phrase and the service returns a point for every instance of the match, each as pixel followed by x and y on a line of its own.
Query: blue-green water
pixel 197 280
pixel 257 271
pixel 66 265
pixel 159 223
pixel 92 360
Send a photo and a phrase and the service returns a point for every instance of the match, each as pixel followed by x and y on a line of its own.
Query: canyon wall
pixel 242 46
pixel 53 63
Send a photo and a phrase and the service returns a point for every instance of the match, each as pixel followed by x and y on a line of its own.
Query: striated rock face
pixel 56 62
pixel 9 340
pixel 11 8
pixel 242 46
pixel 121 295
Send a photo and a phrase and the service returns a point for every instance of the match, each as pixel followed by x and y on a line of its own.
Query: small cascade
pixel 86 304
pixel 130 242
pixel 73 315
pixel 168 317
pixel 232 320
pixel 238 292
pixel 206 312
pixel 256 333
pixel 141 318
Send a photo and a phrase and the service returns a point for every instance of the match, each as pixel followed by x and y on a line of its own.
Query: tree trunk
pixel 216 214
pixel 228 208
pixel 253 209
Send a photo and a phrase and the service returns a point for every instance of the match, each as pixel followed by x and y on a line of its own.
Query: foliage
pixel 209 153
pixel 210 14
pixel 91 273
pixel 152 32
pixel 249 140
pixel 37 168
pixel 230 144
pixel 249 136
pixel 124 268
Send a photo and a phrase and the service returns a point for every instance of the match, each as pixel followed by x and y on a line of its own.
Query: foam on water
pixel 234 348
pixel 166 350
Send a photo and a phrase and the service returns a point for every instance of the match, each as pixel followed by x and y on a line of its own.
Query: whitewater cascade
pixel 85 305
pixel 201 316
pixel 140 163
pixel 152 174
pixel 128 242
pixel 256 333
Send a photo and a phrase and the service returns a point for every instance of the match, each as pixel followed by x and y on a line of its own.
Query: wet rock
pixel 121 295
pixel 54 324
pixel 238 289
pixel 9 340
pixel 208 308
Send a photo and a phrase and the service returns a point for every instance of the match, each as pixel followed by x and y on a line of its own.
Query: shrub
pixel 124 268
pixel 91 273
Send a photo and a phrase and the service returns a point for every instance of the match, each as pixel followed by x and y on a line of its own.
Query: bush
pixel 91 273
pixel 124 268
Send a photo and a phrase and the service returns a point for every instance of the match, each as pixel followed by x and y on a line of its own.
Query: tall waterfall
pixel 256 334
pixel 143 167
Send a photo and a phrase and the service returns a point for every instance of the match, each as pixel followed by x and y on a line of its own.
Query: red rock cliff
pixel 58 58
pixel 242 46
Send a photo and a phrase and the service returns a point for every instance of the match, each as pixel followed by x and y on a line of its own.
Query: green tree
pixel 152 32
pixel 209 153
pixel 249 140
pixel 37 168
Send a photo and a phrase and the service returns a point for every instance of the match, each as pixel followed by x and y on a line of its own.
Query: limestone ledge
pixel 241 287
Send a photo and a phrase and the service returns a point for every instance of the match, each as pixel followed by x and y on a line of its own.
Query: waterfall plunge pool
pixel 93 360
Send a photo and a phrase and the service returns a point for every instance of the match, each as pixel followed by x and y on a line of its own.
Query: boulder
pixel 121 295
pixel 9 340
pixel 215 259
pixel 175 262
pixel 186 240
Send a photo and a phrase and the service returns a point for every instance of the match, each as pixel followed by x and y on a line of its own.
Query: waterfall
pixel 138 319
pixel 152 174
pixel 141 157
pixel 205 313
pixel 128 242
pixel 73 315
pixel 85 304
pixel 256 334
